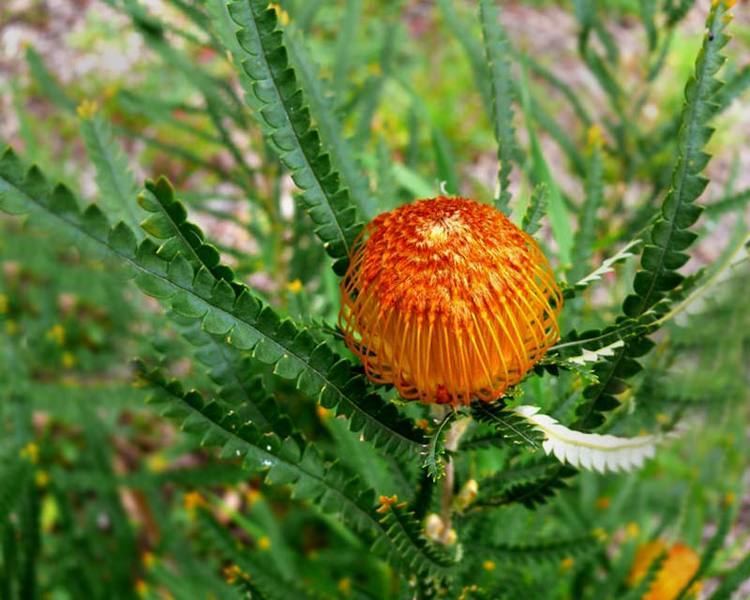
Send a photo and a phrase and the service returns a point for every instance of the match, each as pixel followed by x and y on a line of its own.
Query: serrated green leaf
pixel 271 88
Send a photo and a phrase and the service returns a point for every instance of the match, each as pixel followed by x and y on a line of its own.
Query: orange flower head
pixel 448 300
pixel 678 568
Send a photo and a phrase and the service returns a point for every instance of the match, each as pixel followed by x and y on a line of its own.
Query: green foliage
pixel 434 461
pixel 168 222
pixel 530 483
pixel 116 184
pixel 290 461
pixel 547 550
pixel 507 426
pixel 271 87
pixel 253 457
pixel 586 234
pixel 536 210
pixel 732 580
pixel 669 235
pixel 234 314
pixel 497 50
pixel 713 546
pixel 541 175
pixel 342 153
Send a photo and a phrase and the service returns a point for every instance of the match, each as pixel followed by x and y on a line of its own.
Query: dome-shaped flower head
pixel 449 301
pixel 680 564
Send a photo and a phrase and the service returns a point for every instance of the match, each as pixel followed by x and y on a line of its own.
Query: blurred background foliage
pixel 101 497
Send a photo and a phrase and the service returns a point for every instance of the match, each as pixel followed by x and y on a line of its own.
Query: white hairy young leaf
pixel 607 266
pixel 594 355
pixel 591 451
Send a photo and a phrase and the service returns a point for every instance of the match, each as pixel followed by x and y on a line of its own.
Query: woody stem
pixel 446 499
pixel 452 439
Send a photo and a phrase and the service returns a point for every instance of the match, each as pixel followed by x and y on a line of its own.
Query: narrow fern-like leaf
pixel 117 187
pixel 676 10
pixel 168 223
pixel 234 314
pixel 541 551
pixel 477 58
pixel 508 425
pixel 734 87
pixel 519 473
pixel 709 554
pixel 536 210
pixel 571 95
pixel 47 82
pixel 586 234
pixel 669 236
pixel 729 203
pixel 407 533
pixel 353 176
pixel 235 374
pixel 647 10
pixel 532 488
pixel 272 90
pixel 344 45
pixel 731 581
pixel 258 574
pixel 292 461
pixel 497 51
pixel 557 212
pixel 434 461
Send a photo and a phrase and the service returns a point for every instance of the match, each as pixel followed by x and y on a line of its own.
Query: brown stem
pixel 452 439
pixel 446 499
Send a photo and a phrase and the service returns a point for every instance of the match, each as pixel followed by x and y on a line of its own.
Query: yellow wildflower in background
pixel 193 500
pixel 632 530
pixel 56 334
pixel 294 287
pixel 30 452
pixel 41 479
pixel 148 559
pixel 87 109
pixel 156 463
pixel 68 360
pixel 566 564
pixel 231 573
pixel 252 496
pixel 345 586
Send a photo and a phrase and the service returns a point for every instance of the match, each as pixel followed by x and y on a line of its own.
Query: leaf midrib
pixel 378 526
pixel 96 127
pixel 692 122
pixel 287 118
pixel 403 439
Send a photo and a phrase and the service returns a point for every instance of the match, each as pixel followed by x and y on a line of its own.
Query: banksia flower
pixel 449 301
pixel 678 568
